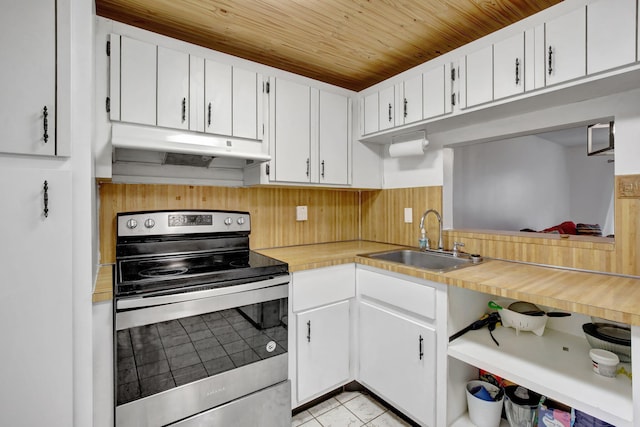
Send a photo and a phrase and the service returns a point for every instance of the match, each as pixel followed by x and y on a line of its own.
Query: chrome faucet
pixel 424 215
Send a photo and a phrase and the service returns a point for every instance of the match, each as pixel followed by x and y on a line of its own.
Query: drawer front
pixel 314 288
pixel 414 297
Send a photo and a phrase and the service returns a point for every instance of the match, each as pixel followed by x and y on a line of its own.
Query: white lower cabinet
pixel 398 361
pixel 37 311
pixel 322 349
pixel 402 342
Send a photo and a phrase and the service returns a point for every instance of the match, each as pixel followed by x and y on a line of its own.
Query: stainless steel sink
pixel 432 261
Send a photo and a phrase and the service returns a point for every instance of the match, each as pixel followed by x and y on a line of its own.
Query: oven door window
pixel 161 356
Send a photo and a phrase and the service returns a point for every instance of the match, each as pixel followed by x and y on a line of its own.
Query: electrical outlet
pixel 301 213
pixel 408 215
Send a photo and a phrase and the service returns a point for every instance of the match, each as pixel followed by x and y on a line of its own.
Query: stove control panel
pixel 182 222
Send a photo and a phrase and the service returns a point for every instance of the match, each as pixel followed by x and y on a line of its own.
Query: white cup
pixel 482 412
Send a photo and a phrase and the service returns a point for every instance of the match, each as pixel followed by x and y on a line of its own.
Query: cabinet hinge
pixel 108 104
pixel 108 48
pixel 268 169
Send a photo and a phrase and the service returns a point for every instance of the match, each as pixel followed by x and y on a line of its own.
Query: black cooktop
pixel 165 274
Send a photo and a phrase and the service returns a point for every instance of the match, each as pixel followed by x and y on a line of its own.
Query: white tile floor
pixel 348 409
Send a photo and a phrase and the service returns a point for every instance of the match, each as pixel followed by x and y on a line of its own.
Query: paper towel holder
pixel 408 144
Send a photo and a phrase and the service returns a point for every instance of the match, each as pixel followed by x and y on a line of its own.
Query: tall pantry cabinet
pixel 35 219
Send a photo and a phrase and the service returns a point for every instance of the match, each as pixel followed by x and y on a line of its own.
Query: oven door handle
pixel 152 301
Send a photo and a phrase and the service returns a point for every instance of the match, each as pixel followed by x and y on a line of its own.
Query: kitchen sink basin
pixel 432 261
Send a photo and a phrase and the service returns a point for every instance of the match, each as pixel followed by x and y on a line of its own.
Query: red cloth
pixel 567 227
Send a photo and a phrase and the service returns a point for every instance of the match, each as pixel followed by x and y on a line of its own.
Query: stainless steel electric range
pixel 200 323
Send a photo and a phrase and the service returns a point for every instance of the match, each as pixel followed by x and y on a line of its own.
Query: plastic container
pixel 520 406
pixel 604 362
pixel 484 413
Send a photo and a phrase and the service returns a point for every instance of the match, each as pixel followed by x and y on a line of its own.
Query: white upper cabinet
pixel 246 119
pixel 137 91
pixel 434 94
pixel 173 88
pixel 565 47
pixel 508 67
pixel 333 138
pixel 370 116
pixel 611 30
pixel 386 108
pixel 156 86
pixel 218 98
pixel 478 78
pixel 196 94
pixel 310 134
pixel 409 101
pixel 292 131
pixel 28 77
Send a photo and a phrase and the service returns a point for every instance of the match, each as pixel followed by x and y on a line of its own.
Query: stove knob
pixel 131 224
pixel 149 223
pixel 228 220
pixel 240 220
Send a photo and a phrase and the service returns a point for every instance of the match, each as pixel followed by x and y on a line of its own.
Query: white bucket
pixel 484 413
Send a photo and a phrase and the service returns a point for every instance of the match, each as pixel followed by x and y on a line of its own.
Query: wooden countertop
pixel 602 295
pixel 103 290
pixel 324 254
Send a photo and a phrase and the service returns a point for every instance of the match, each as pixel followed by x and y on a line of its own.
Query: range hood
pixel 183 148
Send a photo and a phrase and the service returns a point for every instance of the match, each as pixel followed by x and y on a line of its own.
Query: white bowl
pixel 522 322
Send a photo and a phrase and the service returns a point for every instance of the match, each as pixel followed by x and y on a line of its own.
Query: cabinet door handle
pixel 309 331
pixel 405 108
pixel 390 113
pixel 550 60
pixel 184 109
pixel 453 99
pixel 517 71
pixel 420 350
pixel 322 168
pixel 308 166
pixel 209 115
pixel 45 198
pixel 45 124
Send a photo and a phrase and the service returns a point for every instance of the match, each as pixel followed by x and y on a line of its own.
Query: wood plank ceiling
pixel 349 43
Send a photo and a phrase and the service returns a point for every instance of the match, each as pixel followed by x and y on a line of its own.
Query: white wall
pixel 591 189
pixel 530 182
pixel 510 185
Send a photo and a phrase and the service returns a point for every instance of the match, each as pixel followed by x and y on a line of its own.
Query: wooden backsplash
pixel 383 214
pixel 342 215
pixel 333 214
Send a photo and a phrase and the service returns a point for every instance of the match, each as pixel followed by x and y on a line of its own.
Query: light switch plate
pixel 301 213
pixel 408 215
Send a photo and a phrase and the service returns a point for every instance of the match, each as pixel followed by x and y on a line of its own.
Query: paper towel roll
pixel 408 148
